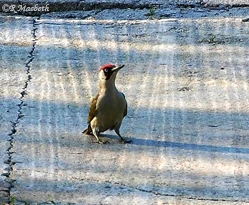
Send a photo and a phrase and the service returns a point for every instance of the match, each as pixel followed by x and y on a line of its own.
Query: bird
pixel 108 107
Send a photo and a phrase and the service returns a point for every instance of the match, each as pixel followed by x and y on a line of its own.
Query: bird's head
pixel 109 71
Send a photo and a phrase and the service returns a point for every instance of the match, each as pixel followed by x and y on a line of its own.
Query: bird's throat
pixel 107 86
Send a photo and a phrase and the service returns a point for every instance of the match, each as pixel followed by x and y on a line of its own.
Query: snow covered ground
pixel 187 86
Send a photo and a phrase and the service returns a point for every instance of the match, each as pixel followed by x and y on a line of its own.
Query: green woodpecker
pixel 108 107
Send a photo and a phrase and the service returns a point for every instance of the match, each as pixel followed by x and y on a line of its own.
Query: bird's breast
pixel 110 111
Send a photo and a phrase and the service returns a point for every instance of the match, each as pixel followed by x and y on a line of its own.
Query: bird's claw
pixel 103 142
pixel 99 141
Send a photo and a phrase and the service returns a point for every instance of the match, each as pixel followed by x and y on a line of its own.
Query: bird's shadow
pixel 114 139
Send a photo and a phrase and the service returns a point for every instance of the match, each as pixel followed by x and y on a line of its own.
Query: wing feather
pixel 125 111
pixel 93 109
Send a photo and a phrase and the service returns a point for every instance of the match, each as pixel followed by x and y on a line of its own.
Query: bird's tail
pixel 88 130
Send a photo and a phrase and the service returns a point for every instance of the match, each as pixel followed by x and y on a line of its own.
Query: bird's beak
pixel 117 68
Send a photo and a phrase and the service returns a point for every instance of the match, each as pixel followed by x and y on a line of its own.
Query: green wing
pixel 125 112
pixel 93 109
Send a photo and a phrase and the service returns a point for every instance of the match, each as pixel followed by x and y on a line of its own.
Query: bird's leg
pixel 95 133
pixel 122 140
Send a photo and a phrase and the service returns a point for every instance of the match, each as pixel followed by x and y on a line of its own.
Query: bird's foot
pixel 123 141
pixel 101 141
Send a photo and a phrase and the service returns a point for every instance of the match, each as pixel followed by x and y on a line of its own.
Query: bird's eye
pixel 106 70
